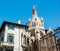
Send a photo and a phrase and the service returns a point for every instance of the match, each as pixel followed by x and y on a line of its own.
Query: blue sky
pixel 12 10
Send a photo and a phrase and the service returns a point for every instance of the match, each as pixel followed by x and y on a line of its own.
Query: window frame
pixel 9 37
pixel 10 27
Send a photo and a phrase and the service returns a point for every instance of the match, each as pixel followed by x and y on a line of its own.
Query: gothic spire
pixel 34 12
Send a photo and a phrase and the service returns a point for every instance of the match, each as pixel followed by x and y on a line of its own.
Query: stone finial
pixel 19 22
pixel 49 30
pixel 34 12
pixel 29 20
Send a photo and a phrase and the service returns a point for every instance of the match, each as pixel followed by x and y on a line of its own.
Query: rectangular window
pixel 26 29
pixel 11 27
pixel 10 39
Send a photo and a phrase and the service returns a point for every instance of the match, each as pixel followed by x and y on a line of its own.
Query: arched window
pixel 28 41
pixel 24 39
pixel 41 33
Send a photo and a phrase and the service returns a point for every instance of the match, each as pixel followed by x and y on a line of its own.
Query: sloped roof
pixel 15 24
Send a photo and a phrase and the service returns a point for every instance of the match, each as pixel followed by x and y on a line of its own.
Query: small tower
pixel 36 25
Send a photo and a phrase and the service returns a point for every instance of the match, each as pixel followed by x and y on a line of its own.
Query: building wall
pixel 17 37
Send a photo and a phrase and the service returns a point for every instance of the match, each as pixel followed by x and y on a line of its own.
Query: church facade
pixel 30 37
